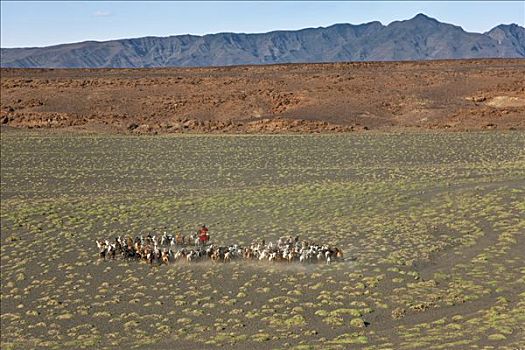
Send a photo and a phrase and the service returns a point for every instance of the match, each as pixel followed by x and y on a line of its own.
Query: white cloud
pixel 102 13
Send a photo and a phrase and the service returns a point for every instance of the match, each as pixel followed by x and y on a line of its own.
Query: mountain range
pixel 419 38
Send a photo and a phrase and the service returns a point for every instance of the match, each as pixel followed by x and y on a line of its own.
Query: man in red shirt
pixel 203 234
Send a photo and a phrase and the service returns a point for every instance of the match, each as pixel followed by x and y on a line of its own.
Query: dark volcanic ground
pixel 432 225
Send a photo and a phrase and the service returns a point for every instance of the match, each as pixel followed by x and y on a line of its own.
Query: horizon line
pixel 420 14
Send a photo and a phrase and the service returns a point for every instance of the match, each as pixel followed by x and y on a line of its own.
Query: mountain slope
pixel 420 38
pixel 511 37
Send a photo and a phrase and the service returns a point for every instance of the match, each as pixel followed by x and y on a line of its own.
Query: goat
pixel 165 257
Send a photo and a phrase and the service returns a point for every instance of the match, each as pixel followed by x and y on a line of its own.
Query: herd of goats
pixel 169 249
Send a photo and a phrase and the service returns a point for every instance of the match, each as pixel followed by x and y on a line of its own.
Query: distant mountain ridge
pixel 419 38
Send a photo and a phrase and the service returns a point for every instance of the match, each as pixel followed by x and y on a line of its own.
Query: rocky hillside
pixel 420 38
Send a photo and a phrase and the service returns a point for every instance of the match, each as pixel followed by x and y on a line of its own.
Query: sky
pixel 44 23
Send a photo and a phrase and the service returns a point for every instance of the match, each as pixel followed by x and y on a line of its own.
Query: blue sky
pixel 44 23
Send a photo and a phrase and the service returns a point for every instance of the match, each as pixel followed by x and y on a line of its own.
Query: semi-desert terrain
pixel 447 95
pixel 351 155
pixel 432 225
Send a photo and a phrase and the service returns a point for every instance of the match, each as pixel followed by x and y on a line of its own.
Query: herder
pixel 203 234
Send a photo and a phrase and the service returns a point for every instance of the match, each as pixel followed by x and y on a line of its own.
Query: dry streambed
pixel 434 224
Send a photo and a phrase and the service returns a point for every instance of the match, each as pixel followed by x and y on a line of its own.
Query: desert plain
pixel 302 98
pixel 424 194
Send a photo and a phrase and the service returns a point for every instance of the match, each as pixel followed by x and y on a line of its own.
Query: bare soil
pixel 306 98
